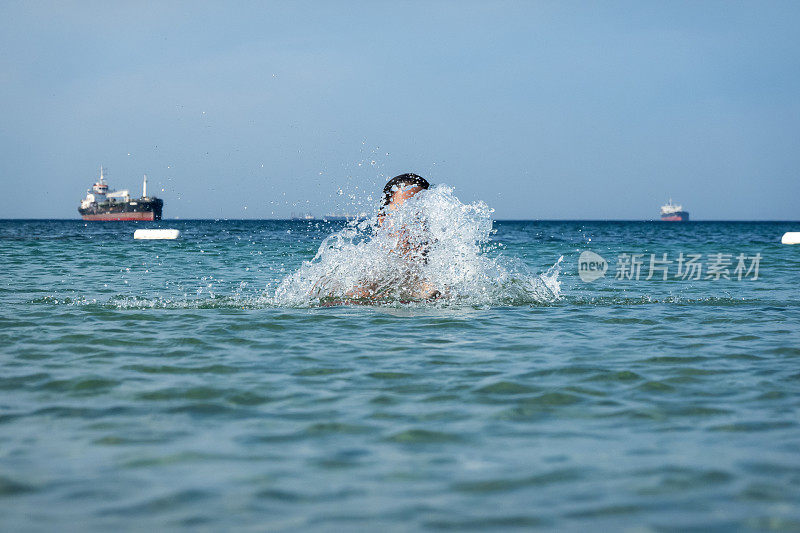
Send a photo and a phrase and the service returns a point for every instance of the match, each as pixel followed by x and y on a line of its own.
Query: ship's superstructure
pixel 102 203
pixel 673 212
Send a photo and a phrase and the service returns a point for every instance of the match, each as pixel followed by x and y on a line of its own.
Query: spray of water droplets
pixel 432 250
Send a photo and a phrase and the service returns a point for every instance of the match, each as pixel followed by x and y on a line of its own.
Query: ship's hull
pixel 680 216
pixel 118 211
pixel 107 217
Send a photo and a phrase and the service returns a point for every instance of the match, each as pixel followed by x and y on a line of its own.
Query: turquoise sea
pixel 194 384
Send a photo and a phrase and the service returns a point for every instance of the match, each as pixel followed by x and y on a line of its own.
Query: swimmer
pixel 396 192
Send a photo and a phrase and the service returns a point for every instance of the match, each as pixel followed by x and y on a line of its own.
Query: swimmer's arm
pixel 363 291
pixel 426 291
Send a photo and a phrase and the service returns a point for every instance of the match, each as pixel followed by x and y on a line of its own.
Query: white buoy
pixel 791 237
pixel 153 234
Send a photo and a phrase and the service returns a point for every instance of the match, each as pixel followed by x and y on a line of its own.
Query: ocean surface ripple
pixel 166 385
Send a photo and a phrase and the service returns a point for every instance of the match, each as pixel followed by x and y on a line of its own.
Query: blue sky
pixel 542 109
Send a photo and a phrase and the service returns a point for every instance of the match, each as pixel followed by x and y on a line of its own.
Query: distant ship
pixel 673 213
pixel 343 217
pixel 102 203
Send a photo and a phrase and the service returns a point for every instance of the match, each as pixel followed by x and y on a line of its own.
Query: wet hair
pixel 401 181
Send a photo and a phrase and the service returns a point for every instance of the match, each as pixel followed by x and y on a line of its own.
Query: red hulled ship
pixel 104 204
pixel 673 213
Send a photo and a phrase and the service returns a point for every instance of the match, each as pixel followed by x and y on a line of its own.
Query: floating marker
pixel 791 237
pixel 153 234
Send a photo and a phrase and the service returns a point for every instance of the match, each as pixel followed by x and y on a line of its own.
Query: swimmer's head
pixel 401 188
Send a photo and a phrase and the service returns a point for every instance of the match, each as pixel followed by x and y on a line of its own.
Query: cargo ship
pixel 102 203
pixel 673 213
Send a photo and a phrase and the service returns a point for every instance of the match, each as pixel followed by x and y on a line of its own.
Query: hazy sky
pixel 541 109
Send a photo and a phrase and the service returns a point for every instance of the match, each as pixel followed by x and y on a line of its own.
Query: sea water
pixel 225 380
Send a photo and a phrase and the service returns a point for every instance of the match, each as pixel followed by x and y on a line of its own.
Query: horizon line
pixel 339 219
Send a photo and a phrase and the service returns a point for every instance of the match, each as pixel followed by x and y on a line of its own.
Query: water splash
pixel 433 250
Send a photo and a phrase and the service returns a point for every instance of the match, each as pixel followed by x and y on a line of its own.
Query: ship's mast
pixel 144 187
pixel 101 173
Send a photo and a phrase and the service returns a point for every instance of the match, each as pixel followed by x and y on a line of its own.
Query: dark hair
pixel 399 181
